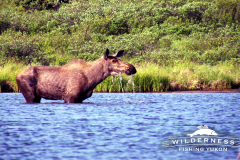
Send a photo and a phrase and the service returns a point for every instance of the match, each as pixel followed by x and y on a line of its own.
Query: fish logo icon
pixel 203 129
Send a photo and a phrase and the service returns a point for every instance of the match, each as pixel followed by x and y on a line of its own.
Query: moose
pixel 72 82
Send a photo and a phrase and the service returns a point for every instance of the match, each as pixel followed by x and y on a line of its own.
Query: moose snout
pixel 131 70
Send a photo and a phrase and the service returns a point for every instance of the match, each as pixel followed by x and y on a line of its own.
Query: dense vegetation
pixel 187 44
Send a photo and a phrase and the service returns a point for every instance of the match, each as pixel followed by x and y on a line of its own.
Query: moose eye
pixel 114 61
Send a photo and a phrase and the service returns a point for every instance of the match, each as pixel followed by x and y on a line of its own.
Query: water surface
pixel 113 126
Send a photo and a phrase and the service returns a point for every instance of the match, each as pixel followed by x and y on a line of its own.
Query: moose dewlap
pixel 72 82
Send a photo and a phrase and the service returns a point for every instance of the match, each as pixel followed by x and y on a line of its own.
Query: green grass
pixel 154 78
pixel 201 38
pixel 8 75
pixel 184 76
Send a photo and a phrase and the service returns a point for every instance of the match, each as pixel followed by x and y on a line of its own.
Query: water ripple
pixel 112 126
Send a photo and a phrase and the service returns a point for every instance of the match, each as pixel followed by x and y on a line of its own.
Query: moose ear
pixel 106 54
pixel 119 53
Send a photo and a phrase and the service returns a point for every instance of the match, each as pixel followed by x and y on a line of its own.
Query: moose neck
pixel 97 72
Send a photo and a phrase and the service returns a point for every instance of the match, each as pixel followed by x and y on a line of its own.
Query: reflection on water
pixel 113 126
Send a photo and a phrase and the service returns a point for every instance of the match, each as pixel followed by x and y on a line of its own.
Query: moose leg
pixel 27 85
pixel 36 99
pixel 77 98
pixel 72 99
pixel 89 94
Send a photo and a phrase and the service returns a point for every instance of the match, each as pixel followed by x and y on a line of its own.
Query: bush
pixel 223 12
pixel 20 51
pixel 193 11
pixel 165 32
pixel 229 11
pixel 4 25
pixel 40 4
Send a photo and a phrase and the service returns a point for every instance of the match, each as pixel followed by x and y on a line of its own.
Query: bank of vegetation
pixel 175 45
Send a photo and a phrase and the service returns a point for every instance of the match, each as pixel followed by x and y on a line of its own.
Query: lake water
pixel 113 126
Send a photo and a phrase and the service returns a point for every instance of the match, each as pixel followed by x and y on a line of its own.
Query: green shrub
pixel 40 4
pixel 223 12
pixel 229 11
pixel 193 11
pixel 165 33
pixel 21 51
pixel 3 25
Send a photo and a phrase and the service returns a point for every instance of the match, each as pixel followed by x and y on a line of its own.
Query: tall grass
pixel 154 78
pixel 184 76
pixel 165 34
pixel 8 75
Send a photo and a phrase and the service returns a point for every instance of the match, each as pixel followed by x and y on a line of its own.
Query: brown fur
pixel 72 82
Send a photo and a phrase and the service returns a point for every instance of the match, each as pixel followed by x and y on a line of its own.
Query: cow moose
pixel 72 82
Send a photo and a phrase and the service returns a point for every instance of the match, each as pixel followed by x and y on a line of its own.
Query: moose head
pixel 116 66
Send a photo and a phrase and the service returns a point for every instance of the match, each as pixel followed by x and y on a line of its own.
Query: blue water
pixel 113 126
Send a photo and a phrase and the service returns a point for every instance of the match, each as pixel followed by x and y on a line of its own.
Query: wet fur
pixel 72 82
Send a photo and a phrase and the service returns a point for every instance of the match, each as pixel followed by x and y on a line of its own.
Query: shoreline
pixel 187 91
pixel 8 87
pixel 207 91
pixel 180 91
